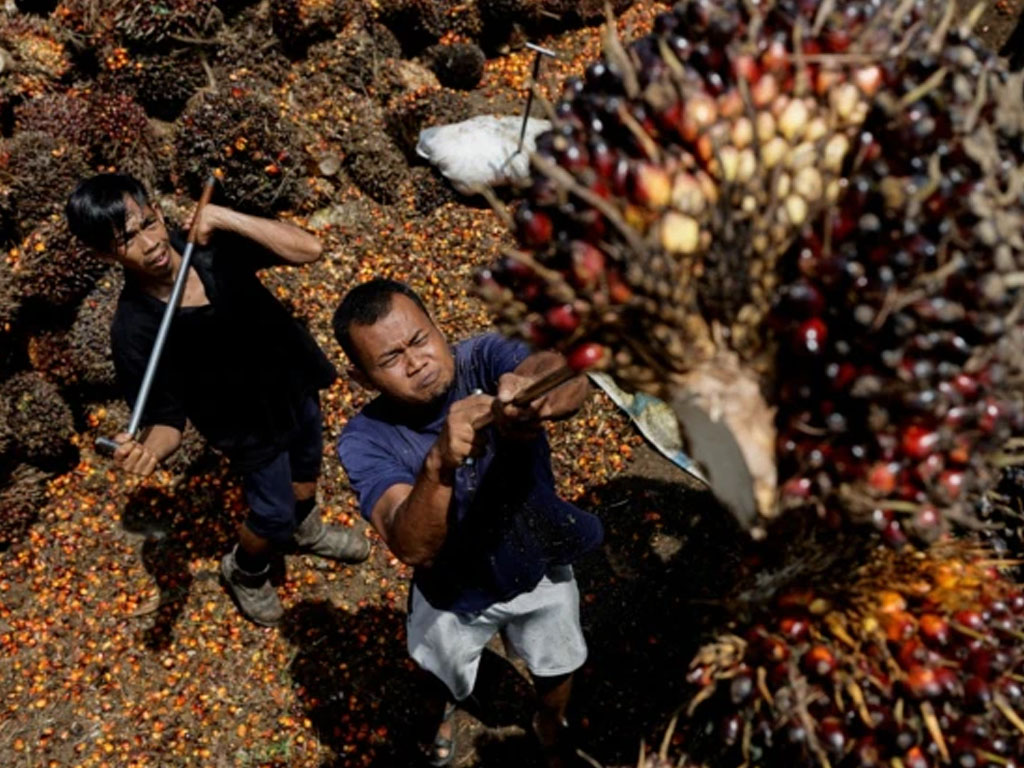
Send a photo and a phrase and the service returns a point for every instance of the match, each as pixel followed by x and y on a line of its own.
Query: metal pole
pixel 540 51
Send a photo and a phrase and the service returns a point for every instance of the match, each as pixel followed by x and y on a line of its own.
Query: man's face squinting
pixel 146 250
pixel 404 355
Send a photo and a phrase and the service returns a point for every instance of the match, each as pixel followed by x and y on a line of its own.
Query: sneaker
pixel 337 543
pixel 255 595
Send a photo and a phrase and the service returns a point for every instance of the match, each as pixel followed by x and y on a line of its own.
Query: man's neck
pixel 161 287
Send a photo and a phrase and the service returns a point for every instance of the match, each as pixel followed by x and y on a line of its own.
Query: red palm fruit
pixel 534 228
pixel 882 477
pixel 1015 600
pixel 603 159
pixel 818 661
pixel 915 758
pixel 898 626
pixel 934 629
pixel 912 652
pixel 745 67
pixel 948 681
pixel 590 356
pixel 927 523
pixel 537 334
pixel 893 534
pixel 891 601
pixel 699 675
pixel 977 694
pixel 778 675
pixel 795 599
pixel 970 619
pixel 587 264
pixel 993 413
pixel 837 39
pixel 650 186
pixel 966 385
pixel 562 318
pixel 921 682
pixel 775 58
pixel 797 488
pixel 794 629
pixel 929 469
pixel 812 335
pixel 918 442
pixel 832 735
pixel 951 482
pixel 866 753
pixel 619 291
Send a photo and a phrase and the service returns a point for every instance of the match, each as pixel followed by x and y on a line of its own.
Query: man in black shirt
pixel 235 364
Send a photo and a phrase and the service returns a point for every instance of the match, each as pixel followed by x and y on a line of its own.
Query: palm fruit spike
pixel 715 206
pixel 917 652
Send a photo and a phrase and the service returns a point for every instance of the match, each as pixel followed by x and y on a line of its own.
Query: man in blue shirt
pixel 458 482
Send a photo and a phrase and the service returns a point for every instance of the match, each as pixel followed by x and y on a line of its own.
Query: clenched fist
pixel 132 456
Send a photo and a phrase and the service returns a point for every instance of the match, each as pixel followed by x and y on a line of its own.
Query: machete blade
pixel 713 446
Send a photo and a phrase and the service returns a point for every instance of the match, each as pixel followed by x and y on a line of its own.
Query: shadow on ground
pixel 647 594
pixel 671 553
pixel 178 525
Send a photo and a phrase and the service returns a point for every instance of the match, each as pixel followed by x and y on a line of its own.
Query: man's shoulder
pixel 370 420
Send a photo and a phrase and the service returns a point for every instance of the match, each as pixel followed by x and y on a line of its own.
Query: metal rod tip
pixel 542 50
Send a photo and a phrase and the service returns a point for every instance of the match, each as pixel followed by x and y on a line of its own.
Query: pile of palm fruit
pixel 808 218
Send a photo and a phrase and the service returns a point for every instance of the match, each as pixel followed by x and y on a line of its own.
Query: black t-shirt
pixel 237 368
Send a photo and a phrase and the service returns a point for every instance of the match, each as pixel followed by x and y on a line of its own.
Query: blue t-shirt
pixel 506 524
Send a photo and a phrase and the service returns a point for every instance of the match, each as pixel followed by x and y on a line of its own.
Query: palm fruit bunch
pixel 51 269
pixel 88 337
pixel 33 58
pixel 354 57
pixel 37 172
pixel 806 219
pixel 78 358
pixel 918 662
pixel 416 23
pixel 160 83
pixel 243 130
pixel 21 497
pixel 112 128
pixel 39 419
pixel 146 25
pixel 300 23
pixel 457 65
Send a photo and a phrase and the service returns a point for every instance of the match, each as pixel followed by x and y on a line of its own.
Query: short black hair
pixel 365 305
pixel 96 209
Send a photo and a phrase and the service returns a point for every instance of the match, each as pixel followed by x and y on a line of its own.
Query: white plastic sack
pixel 481 151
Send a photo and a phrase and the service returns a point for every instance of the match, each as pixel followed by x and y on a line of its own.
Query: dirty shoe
pixel 255 595
pixel 343 544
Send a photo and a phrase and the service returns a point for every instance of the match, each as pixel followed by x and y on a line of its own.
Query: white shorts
pixel 542 627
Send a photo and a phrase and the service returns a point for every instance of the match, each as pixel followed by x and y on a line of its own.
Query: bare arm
pixel 288 242
pixel 141 457
pixel 413 519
